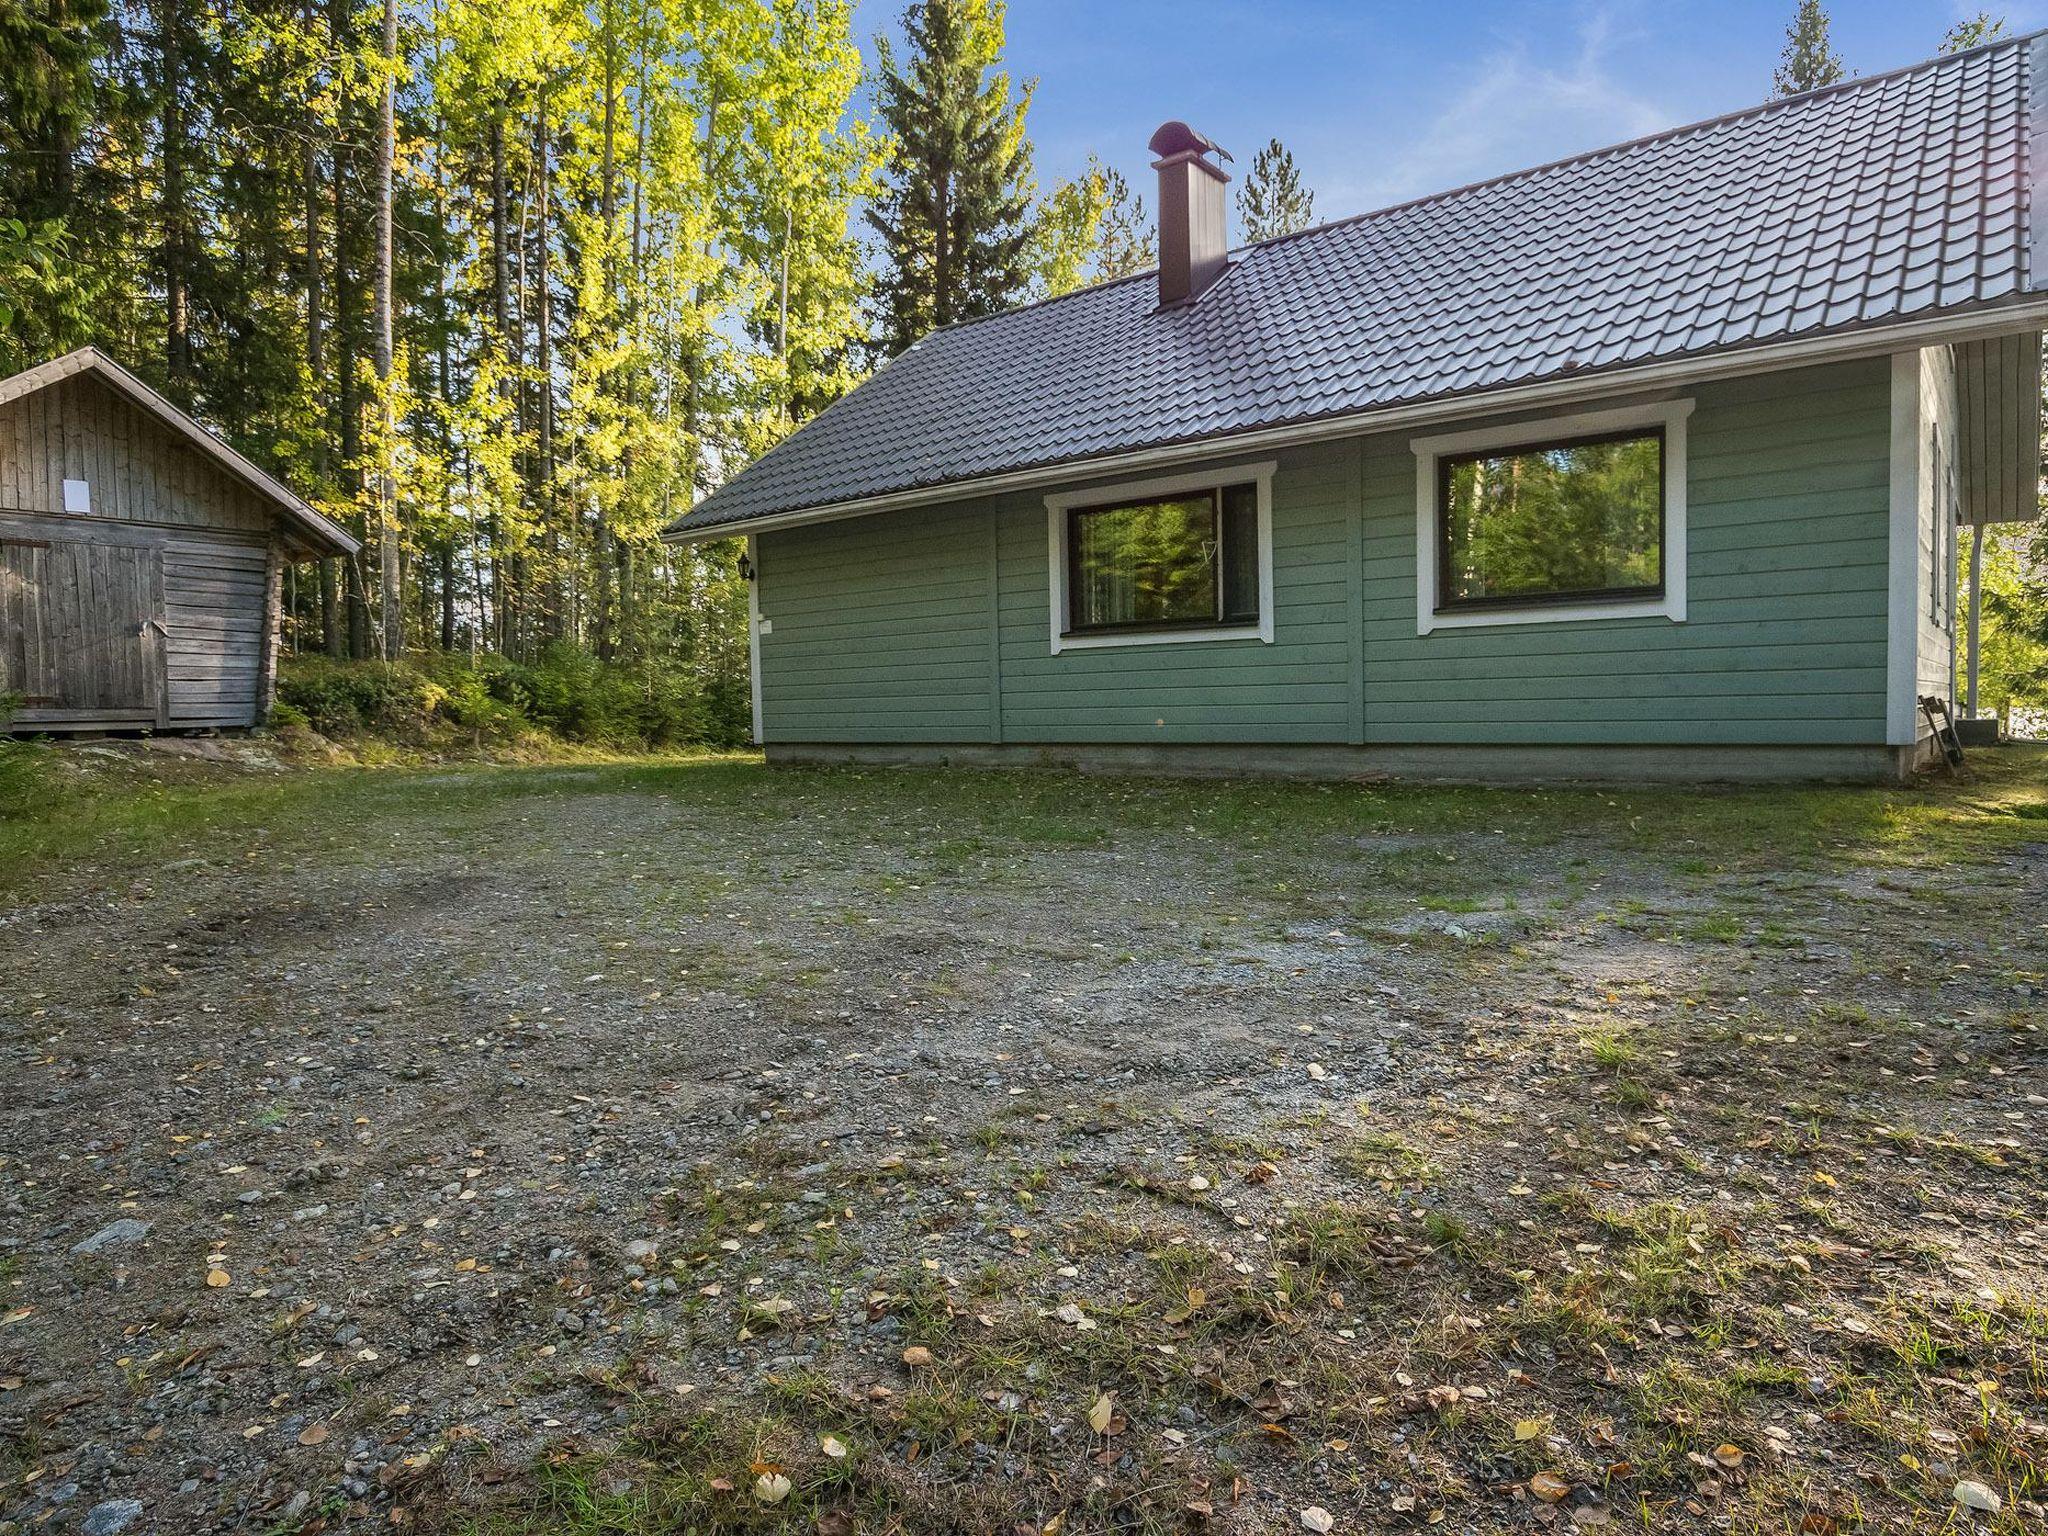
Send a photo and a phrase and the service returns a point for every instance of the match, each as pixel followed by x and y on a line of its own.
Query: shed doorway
pixel 82 633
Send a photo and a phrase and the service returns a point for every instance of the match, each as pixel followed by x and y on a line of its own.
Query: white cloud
pixel 1516 111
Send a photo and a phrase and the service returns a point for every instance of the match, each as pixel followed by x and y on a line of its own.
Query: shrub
pixel 567 692
pixel 351 698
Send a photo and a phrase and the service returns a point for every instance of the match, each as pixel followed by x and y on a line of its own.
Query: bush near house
pixel 567 693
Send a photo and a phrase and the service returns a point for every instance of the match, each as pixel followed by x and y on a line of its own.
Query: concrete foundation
pixel 1451 764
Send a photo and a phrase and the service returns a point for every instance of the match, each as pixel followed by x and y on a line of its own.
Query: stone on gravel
pixel 112 1517
pixel 116 1234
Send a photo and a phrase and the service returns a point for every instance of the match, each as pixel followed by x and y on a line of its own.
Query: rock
pixel 112 1517
pixel 118 1234
pixel 1976 1496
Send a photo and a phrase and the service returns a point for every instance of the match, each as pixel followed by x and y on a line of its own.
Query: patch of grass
pixel 1612 1051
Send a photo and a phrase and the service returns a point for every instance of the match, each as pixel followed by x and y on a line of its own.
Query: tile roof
pixel 1891 198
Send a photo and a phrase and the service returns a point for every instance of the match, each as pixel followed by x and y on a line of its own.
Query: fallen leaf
pixel 917 1355
pixel 217 1278
pixel 833 1447
pixel 1729 1456
pixel 1318 1519
pixel 1549 1487
pixel 1529 1429
pixel 771 1487
pixel 1099 1416
pixel 1978 1497
pixel 313 1434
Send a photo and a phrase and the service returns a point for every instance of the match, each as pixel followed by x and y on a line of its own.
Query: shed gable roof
pixel 321 532
pixel 1896 198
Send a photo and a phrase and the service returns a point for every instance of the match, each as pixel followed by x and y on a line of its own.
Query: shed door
pixel 81 632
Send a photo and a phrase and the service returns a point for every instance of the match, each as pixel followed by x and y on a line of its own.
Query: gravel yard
pixel 688 1146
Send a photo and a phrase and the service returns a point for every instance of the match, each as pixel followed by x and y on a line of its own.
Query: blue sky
pixel 1381 102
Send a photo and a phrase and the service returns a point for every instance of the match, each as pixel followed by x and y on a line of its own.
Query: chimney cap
pixel 1175 137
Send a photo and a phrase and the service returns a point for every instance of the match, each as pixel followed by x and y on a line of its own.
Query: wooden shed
pixel 141 558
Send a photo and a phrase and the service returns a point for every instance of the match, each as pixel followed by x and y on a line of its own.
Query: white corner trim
pixel 1671 415
pixel 1902 609
pixel 754 632
pixel 1058 504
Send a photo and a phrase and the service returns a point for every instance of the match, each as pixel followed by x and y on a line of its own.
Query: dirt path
pixel 352 1172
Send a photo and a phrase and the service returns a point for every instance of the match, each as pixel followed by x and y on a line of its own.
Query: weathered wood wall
pixel 165 527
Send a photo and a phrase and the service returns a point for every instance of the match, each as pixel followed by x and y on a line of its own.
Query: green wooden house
pixel 1647 463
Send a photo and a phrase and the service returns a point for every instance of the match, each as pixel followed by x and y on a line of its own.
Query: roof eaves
pixel 1859 339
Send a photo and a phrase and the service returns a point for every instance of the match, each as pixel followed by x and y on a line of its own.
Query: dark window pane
pixel 1151 563
pixel 1241 554
pixel 1576 519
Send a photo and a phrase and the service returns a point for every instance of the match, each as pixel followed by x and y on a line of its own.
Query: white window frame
pixel 1671 415
pixel 1058 505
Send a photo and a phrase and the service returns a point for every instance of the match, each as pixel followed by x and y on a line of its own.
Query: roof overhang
pixel 1976 324
pixel 316 533
pixel 1998 428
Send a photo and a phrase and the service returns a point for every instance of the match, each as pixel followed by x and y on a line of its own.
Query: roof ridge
pixel 1583 157
pixel 1587 156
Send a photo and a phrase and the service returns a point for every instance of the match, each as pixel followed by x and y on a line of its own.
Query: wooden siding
pixel 1784 639
pixel 76 639
pixel 1296 689
pixel 206 620
pixel 215 608
pixel 880 630
pixel 137 469
pixel 884 628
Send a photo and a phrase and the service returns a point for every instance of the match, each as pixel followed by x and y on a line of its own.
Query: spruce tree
pixel 1125 242
pixel 954 213
pixel 1809 60
pixel 1271 199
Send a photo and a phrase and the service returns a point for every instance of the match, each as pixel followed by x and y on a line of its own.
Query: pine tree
pixel 1125 242
pixel 954 213
pixel 1809 60
pixel 1271 199
pixel 1977 30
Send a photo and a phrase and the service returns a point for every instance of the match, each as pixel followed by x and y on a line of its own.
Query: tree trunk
pixel 330 611
pixel 608 210
pixel 544 309
pixel 177 246
pixel 448 594
pixel 501 596
pixel 390 597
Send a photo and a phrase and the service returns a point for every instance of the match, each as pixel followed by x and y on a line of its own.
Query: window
pixel 1159 561
pixel 1580 517
pixel 1944 509
pixel 1191 559
pixel 1556 523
